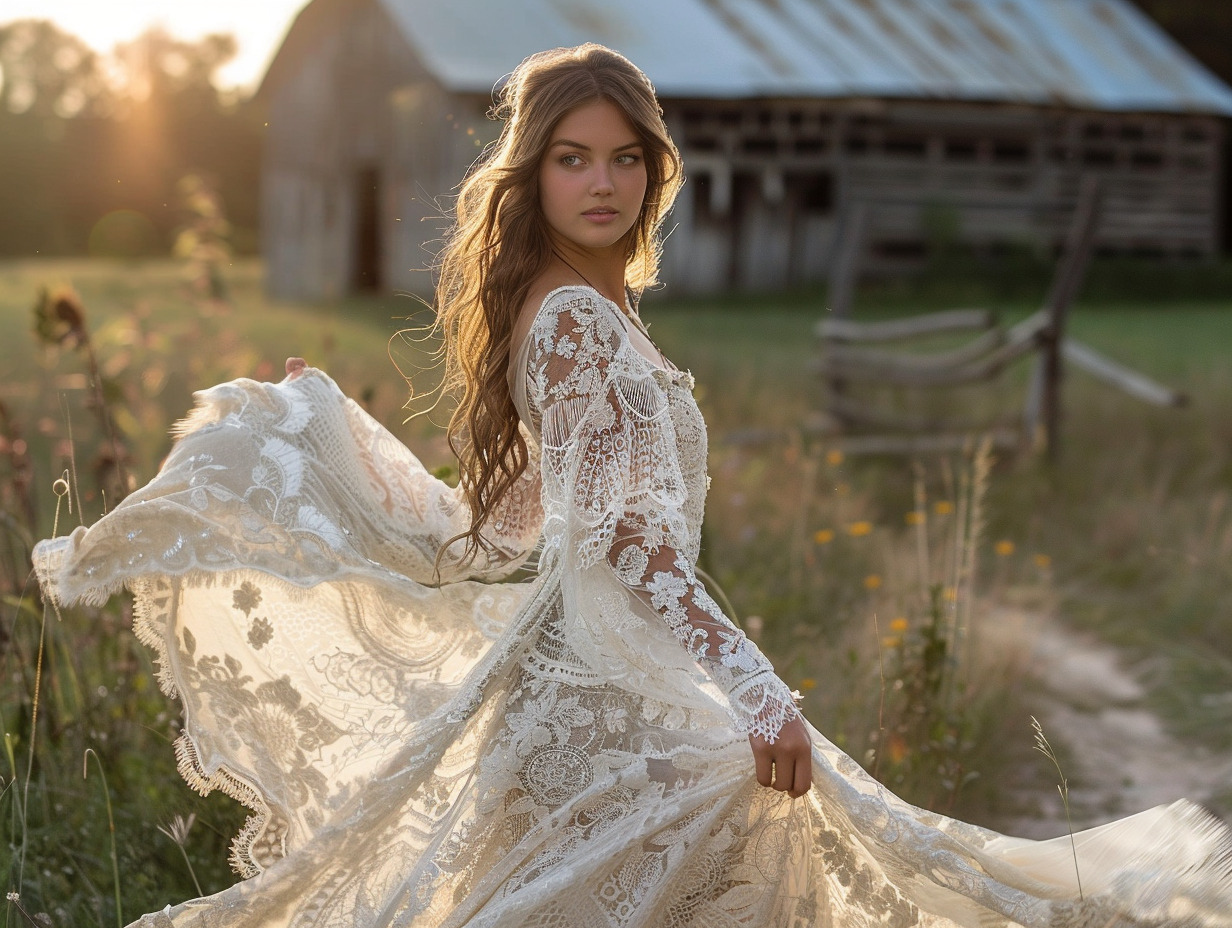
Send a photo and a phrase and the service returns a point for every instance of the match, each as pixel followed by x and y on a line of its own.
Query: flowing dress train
pixel 448 745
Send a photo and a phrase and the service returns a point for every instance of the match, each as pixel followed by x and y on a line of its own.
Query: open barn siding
pixel 789 120
pixel 774 177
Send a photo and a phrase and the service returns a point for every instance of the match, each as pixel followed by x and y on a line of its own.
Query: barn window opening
pixel 1195 134
pixel 856 145
pixel 812 192
pixel 961 150
pixel 809 146
pixel 1007 152
pixel 1099 157
pixel 905 146
pixel 1146 159
pixel 762 146
pixel 367 263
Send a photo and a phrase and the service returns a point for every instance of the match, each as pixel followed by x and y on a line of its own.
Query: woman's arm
pixel 609 452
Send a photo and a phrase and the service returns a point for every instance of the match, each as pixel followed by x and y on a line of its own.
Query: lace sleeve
pixel 615 495
pixel 295 480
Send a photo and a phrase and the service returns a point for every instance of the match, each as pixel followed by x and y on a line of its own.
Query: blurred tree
pixel 47 72
pixel 90 146
pixel 1203 27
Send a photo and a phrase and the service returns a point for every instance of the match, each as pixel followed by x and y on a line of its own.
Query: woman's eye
pixel 571 161
pixel 628 159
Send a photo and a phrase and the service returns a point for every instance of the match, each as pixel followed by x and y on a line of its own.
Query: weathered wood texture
pixel 913 172
pixel 858 377
pixel 365 148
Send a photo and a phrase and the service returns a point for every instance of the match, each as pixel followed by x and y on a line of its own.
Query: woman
pixel 421 746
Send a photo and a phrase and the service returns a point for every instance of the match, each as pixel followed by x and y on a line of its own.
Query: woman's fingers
pixel 763 760
pixel 295 366
pixel 787 764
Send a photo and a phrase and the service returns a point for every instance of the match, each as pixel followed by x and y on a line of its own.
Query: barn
pixel 793 116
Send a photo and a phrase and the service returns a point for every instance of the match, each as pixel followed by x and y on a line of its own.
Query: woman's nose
pixel 601 180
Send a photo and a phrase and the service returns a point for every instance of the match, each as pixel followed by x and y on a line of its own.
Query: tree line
pixel 93 148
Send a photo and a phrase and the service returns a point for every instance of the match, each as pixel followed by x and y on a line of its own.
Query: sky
pixel 258 25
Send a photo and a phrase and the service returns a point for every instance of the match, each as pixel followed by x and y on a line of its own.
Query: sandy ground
pixel 1119 758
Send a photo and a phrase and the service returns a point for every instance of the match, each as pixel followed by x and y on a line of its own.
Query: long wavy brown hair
pixel 498 245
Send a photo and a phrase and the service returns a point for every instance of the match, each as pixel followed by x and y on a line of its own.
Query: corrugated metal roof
pixel 1091 54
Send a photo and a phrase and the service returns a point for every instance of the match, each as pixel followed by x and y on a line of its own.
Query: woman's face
pixel 592 180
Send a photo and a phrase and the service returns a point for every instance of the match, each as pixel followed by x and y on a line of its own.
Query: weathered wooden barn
pixel 977 115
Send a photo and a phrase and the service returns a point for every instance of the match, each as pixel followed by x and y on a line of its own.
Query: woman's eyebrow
pixel 569 143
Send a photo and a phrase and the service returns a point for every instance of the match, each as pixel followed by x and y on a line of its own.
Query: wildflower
pixel 898 625
pixel 808 683
pixel 1042 561
pixel 891 641
pixel 914 517
pixel 857 529
pixel 823 536
pixel 834 457
pixel 898 749
pixel 943 507
pixel 842 489
pixel 950 594
pixel 1004 547
pixel 872 582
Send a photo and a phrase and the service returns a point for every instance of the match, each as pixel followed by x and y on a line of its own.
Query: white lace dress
pixel 567 751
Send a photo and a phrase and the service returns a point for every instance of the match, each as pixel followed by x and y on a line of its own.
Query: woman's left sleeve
pixel 615 495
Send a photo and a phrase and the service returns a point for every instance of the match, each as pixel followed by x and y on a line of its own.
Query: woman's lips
pixel 600 215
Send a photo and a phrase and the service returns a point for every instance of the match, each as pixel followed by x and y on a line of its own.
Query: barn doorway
pixel 366 261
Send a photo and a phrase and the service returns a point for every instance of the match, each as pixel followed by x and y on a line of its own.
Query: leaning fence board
pixel 1118 375
pixel 848 356
pixel 1019 340
pixel 950 320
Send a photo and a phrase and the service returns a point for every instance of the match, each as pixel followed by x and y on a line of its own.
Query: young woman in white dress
pixel 598 745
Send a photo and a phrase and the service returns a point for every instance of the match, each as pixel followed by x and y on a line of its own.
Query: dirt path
pixel 1119 757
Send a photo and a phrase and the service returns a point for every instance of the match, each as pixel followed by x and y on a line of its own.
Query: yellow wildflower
pixel 1042 561
pixel 899 625
pixel 856 529
pixel 914 517
pixel 950 594
pixel 808 683
pixel 823 536
pixel 891 641
pixel 943 507
pixel 1004 547
pixel 872 582
pixel 834 457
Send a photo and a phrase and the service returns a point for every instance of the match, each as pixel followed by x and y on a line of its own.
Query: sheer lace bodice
pixel 624 458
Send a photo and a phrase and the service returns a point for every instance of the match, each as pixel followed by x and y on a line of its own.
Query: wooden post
pixel 1065 285
pixel 844 270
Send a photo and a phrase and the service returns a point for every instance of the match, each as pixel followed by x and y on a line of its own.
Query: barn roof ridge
pixel 1090 54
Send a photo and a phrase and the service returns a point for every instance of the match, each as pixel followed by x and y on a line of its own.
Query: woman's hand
pixel 295 367
pixel 787 764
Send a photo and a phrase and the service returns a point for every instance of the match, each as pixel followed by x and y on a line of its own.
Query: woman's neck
pixel 605 273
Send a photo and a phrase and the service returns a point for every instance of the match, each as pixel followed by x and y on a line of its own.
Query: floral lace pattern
pixel 453 752
pixel 624 448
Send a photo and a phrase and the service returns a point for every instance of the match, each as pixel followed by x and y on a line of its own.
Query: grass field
pixel 849 571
